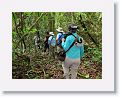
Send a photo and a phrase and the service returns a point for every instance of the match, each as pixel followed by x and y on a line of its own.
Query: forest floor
pixel 40 66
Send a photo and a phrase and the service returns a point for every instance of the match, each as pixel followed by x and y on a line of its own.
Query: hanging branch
pixel 35 22
pixel 21 16
pixel 86 30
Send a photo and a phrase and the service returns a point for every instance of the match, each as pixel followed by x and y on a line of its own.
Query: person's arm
pixel 66 44
pixel 57 38
pixel 49 39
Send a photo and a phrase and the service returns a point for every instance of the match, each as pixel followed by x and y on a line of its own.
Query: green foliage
pixel 31 31
pixel 14 34
pixel 96 54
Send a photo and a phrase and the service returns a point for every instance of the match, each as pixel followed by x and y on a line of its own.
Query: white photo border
pixel 104 84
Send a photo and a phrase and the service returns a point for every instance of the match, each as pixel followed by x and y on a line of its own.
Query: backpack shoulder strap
pixel 78 39
pixel 60 36
pixel 70 47
pixel 74 36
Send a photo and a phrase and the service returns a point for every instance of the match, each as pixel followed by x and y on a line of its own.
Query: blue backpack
pixel 60 38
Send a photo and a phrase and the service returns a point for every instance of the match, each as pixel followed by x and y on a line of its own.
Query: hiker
pixel 75 53
pixel 59 37
pixel 37 40
pixel 46 45
pixel 52 44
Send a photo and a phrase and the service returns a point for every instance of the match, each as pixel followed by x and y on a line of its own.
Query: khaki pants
pixel 59 49
pixel 70 68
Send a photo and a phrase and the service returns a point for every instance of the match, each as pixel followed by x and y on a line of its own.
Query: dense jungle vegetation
pixel 29 64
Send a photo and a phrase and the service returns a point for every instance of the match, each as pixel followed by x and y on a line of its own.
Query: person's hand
pixel 63 39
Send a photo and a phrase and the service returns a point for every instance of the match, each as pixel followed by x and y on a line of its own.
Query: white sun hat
pixel 59 29
pixel 51 33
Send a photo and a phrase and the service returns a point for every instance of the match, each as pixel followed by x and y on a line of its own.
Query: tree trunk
pixel 51 22
pixel 22 25
pixel 17 31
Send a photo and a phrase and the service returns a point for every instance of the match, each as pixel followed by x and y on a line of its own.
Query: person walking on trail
pixel 52 44
pixel 60 35
pixel 46 45
pixel 37 41
pixel 74 55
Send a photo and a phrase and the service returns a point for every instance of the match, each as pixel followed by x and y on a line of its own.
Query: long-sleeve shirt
pixel 75 51
pixel 52 41
pixel 36 40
